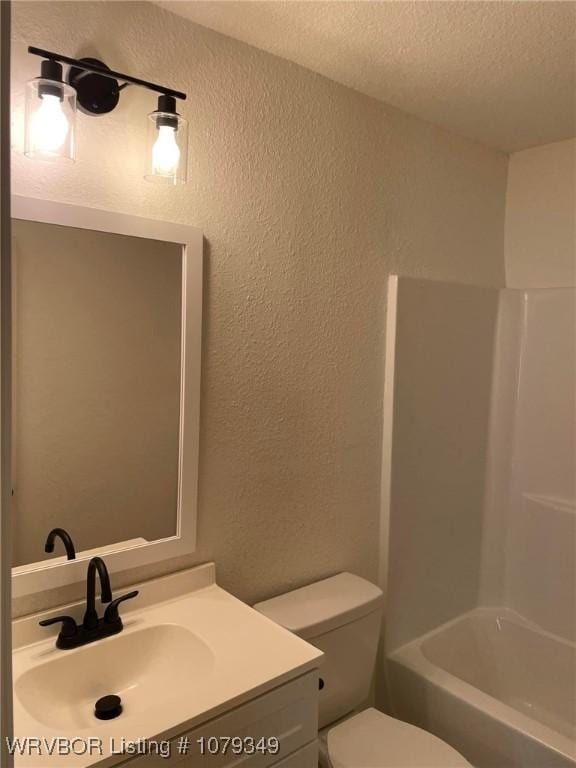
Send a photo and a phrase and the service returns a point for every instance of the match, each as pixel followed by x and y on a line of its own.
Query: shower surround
pixel 481 578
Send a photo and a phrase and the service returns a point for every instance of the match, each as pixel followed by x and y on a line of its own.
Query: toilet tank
pixel 342 617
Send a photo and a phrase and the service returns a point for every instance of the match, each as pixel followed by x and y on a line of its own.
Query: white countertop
pixel 236 654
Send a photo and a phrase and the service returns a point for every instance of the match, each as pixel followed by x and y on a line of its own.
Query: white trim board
pixel 41 576
pixel 6 719
pixel 387 428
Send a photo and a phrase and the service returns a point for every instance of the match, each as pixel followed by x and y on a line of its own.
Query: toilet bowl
pixel 372 739
pixel 342 616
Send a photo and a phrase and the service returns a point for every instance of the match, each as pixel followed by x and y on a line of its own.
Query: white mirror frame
pixel 38 577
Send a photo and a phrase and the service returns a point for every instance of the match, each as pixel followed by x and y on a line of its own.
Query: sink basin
pixel 140 667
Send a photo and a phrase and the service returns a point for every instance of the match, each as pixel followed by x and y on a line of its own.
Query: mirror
pixel 105 369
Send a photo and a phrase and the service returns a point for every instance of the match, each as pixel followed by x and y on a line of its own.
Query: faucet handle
pixel 69 626
pixel 111 614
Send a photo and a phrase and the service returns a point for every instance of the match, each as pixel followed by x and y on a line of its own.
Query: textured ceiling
pixel 502 73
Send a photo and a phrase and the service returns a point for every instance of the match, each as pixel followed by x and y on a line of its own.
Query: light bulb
pixel 165 152
pixel 49 127
pixel 167 144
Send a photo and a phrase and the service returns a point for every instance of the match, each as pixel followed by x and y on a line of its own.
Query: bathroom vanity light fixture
pixel 50 115
pixel 95 89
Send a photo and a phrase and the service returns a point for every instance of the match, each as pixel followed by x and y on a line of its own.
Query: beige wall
pixel 442 388
pixel 309 195
pixel 96 407
pixel 540 243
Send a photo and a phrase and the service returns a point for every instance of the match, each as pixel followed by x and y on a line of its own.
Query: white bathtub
pixel 499 690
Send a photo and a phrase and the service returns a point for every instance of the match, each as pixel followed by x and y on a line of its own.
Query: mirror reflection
pixel 96 383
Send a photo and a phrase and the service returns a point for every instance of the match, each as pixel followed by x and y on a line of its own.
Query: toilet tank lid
pixel 323 606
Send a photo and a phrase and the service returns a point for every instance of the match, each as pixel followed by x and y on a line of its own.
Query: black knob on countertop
pixel 108 707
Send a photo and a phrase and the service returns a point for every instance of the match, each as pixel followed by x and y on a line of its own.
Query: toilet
pixel 342 617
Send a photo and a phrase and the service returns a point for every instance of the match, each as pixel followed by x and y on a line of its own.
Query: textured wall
pixel 309 194
pixel 540 241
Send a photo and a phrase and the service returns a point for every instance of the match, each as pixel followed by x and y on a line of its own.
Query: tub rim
pixel 411 656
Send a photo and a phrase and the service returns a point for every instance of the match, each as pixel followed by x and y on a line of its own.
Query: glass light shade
pixel 167 148
pixel 50 120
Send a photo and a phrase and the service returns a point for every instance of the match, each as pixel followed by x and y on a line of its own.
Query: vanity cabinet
pixel 288 713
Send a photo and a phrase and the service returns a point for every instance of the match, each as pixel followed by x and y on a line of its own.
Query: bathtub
pixel 495 687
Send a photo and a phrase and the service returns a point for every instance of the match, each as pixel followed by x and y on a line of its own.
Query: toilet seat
pixel 372 739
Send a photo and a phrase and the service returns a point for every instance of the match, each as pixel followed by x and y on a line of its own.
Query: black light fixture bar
pixel 105 72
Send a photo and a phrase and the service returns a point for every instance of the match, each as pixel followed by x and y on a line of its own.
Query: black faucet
pixel 74 635
pixel 66 540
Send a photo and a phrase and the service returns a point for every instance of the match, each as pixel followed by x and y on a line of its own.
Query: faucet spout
pixel 96 565
pixel 66 540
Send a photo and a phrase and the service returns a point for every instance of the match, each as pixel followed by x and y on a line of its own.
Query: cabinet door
pixel 288 714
